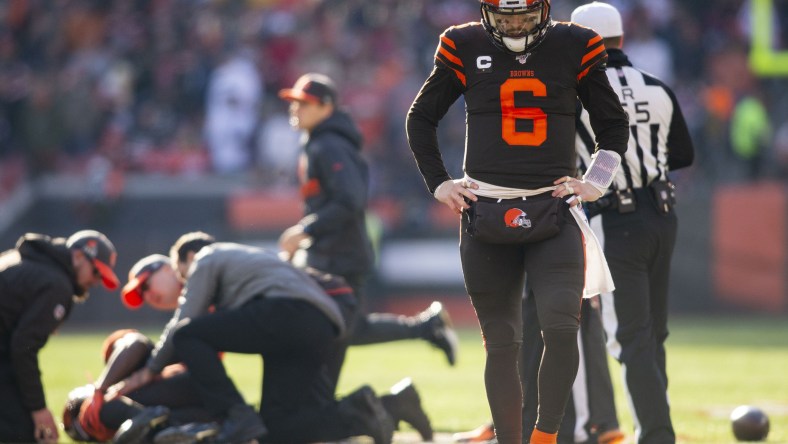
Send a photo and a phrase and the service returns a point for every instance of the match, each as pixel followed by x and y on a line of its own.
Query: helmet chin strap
pixel 515 44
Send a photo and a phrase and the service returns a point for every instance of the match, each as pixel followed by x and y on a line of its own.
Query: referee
pixel 637 224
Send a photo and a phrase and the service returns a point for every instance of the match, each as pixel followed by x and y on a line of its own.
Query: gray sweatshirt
pixel 228 275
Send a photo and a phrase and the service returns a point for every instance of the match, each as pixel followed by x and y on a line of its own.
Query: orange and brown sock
pixel 540 437
pixel 614 436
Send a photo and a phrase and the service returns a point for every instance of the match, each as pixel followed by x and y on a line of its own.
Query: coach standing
pixel 638 226
pixel 332 235
pixel 334 177
pixel 40 281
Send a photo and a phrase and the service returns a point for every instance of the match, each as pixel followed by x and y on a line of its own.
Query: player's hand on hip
pixel 567 187
pixel 454 192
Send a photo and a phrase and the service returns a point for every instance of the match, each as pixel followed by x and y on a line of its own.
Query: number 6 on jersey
pixel 510 113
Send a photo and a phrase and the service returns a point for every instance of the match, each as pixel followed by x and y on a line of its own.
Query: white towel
pixel 598 279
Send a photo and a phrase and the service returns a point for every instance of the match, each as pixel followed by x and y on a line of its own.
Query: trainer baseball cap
pixel 100 251
pixel 312 87
pixel 601 17
pixel 138 275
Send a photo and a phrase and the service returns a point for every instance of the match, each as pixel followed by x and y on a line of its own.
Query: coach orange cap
pixel 101 252
pixel 312 87
pixel 132 295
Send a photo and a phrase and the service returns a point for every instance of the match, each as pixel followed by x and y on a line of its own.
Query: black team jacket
pixel 335 184
pixel 37 289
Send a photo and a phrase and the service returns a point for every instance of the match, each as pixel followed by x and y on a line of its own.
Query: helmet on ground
pixel 71 423
pixel 516 25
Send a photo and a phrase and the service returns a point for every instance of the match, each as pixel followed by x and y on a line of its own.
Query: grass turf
pixel 714 364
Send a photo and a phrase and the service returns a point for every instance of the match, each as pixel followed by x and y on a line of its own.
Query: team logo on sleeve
pixel 516 218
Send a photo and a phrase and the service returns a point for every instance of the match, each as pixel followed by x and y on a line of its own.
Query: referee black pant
pixel 638 247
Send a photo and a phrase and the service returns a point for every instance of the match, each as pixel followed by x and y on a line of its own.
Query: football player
pixel 332 235
pixel 95 413
pixel 520 74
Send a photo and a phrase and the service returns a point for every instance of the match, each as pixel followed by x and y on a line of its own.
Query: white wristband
pixel 602 170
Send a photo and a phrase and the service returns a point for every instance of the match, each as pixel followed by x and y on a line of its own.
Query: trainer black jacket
pixel 334 184
pixel 37 288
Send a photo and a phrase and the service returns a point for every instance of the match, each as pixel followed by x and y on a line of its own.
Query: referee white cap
pixel 601 17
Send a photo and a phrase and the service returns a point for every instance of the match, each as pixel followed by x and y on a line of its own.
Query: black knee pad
pixel 503 349
pixel 557 323
pixel 565 341
pixel 502 333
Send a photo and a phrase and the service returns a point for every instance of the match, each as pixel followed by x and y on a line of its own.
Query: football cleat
pixel 241 425
pixel 404 404
pixel 483 434
pixel 440 332
pixel 136 429
pixel 365 411
pixel 188 433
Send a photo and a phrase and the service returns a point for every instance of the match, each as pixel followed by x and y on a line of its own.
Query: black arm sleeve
pixel 608 119
pixel 681 151
pixel 438 93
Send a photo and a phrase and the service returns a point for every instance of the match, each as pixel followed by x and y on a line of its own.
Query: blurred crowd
pixel 188 87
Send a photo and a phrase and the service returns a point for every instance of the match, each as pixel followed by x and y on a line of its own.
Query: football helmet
pixel 71 423
pixel 516 25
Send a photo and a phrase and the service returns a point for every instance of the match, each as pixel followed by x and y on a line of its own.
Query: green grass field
pixel 714 364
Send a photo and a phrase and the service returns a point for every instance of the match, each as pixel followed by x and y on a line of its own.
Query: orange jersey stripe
pixel 460 76
pixel 448 41
pixel 590 55
pixel 449 56
pixel 593 40
pixel 583 73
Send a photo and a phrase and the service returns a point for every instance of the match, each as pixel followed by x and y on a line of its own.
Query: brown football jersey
pixel 520 107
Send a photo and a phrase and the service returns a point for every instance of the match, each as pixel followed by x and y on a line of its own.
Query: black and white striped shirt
pixel 659 140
